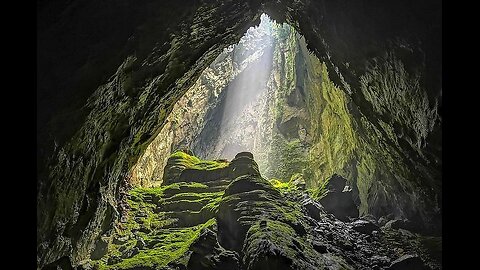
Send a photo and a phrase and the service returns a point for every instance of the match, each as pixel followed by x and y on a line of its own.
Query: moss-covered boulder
pixel 160 226
pixel 272 244
pixel 185 167
pixel 243 164
pixel 257 219
pixel 162 222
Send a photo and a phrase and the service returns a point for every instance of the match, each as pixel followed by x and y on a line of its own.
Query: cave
pixel 255 134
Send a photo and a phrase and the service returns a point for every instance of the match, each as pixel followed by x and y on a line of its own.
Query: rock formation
pixel 235 219
pixel 296 122
pixel 110 73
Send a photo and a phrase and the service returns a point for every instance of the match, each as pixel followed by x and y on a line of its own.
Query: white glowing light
pixel 240 120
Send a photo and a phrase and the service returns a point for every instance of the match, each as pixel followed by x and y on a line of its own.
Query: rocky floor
pixel 220 215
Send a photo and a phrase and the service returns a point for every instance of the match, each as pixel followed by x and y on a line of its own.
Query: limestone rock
pixel 100 249
pixel 243 164
pixel 400 224
pixel 409 262
pixel 336 183
pixel 208 254
pixel 313 208
pixel 364 226
pixel 246 223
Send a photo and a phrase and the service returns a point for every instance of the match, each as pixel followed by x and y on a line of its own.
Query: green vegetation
pixel 282 241
pixel 179 161
pixel 212 205
pixel 287 158
pixel 335 140
pixel 318 192
pixel 166 246
pixel 278 184
pixel 286 186
pixel 193 162
pixel 150 236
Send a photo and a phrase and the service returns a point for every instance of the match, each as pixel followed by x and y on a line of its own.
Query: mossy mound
pixel 247 222
pixel 161 225
pixel 257 219
pixel 163 222
pixel 238 212
pixel 271 244
pixel 243 164
pixel 184 167
pixel 248 199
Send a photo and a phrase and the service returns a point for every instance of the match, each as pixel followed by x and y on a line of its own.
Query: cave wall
pixel 371 158
pixel 109 73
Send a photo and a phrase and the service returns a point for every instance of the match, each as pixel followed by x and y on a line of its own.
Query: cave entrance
pixel 257 96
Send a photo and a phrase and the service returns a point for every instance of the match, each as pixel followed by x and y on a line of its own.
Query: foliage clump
pixel 318 192
pixel 283 186
pixel 193 162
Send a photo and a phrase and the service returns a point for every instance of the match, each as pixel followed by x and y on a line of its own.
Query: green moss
pixel 194 196
pixel 274 238
pixel 282 186
pixel 277 183
pixel 193 162
pixel 277 229
pixel 286 158
pixel 169 245
pixel 153 216
pixel 335 140
pixel 212 206
pixel 318 192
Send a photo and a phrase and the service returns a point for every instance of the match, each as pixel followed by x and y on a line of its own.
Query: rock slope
pixel 218 215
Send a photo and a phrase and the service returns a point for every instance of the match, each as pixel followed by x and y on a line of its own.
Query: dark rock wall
pixel 109 73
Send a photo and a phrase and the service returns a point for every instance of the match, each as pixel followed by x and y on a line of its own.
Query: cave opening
pixel 209 136
pixel 261 96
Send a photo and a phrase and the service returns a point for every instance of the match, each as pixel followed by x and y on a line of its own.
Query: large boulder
pixel 274 245
pixel 243 164
pixel 184 167
pixel 246 200
pixel 365 226
pixel 207 254
pixel 255 220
